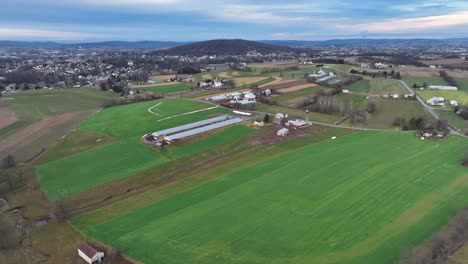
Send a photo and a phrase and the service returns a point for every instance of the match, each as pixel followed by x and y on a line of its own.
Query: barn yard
pixel 314 205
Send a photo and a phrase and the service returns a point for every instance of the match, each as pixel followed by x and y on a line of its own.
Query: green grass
pixel 134 120
pixel 64 177
pixel 171 88
pixel 463 84
pixel 341 201
pixel 117 160
pixel 382 86
pixel 388 110
pixel 35 105
pixel 77 141
pixel 434 80
pixel 300 93
pixel 363 86
pixel 460 96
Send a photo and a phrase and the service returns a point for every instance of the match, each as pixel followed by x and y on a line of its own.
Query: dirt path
pixel 7 116
pixel 28 142
pixel 276 81
pixel 297 87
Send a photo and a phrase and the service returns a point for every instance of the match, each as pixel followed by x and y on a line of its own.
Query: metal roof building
pixel 190 126
pixel 203 129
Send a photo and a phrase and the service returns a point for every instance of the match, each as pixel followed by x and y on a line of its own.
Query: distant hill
pixel 226 47
pixel 91 45
pixel 347 42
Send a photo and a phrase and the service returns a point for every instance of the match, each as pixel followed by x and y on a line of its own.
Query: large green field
pixel 363 198
pixel 382 86
pixel 363 86
pixel 463 84
pixel 126 124
pixel 434 80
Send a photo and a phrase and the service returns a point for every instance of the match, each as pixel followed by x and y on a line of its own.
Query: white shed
pixel 90 253
pixel 283 132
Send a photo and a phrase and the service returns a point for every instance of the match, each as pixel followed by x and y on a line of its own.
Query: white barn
pixel 90 253
pixel 440 87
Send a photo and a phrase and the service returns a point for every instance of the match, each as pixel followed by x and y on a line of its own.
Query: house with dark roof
pixel 90 253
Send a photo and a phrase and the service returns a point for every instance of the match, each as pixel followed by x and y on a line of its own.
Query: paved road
pixel 431 110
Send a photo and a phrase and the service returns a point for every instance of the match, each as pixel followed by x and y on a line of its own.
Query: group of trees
pixel 393 74
pixel 422 125
pixel 462 111
pixel 449 79
pixel 142 97
pixel 442 245
pixel 188 70
pixel 115 83
pixel 312 99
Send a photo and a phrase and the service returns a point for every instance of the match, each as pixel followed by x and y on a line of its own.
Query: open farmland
pixel 35 105
pixel 463 84
pixel 382 86
pixel 126 124
pixel 170 88
pixel 363 86
pixel 419 81
pixel 282 210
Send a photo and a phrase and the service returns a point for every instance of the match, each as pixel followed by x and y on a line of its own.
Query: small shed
pixel 90 253
pixel 283 132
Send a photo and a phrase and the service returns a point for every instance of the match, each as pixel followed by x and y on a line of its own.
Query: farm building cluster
pixel 289 123
pixel 440 101
pixel 242 98
pixel 170 135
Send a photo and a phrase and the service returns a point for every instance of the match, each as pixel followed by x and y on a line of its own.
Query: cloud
pixel 252 14
pixel 413 24
pixel 23 33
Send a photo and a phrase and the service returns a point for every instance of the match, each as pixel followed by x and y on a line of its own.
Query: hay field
pixel 314 205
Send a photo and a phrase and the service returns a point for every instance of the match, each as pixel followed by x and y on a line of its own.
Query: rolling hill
pixel 226 47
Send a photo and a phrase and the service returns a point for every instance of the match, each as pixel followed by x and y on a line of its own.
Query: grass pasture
pixel 363 86
pixel 314 205
pixel 121 126
pixel 463 84
pixel 381 86
pixel 430 80
pixel 170 88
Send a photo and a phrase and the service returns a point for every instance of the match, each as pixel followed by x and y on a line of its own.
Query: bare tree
pixel 9 162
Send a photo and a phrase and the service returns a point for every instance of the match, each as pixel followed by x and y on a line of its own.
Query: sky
pixel 189 20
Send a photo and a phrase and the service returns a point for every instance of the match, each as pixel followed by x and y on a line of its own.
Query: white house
pixel 440 87
pixel 282 132
pixel 217 84
pixel 249 96
pixel 453 103
pixel 436 101
pixel 279 116
pixel 90 253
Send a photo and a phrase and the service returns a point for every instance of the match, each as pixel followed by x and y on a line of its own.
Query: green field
pixel 382 86
pixel 341 201
pixel 126 124
pixel 170 88
pixel 434 80
pixel 35 105
pixel 300 93
pixel 463 84
pixel 363 86
pixel 293 74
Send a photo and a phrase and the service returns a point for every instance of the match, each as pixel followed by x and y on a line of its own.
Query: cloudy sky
pixel 192 20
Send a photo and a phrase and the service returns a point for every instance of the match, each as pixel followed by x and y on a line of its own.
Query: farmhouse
pixel 436 101
pixel 445 88
pixel 453 103
pixel 90 253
